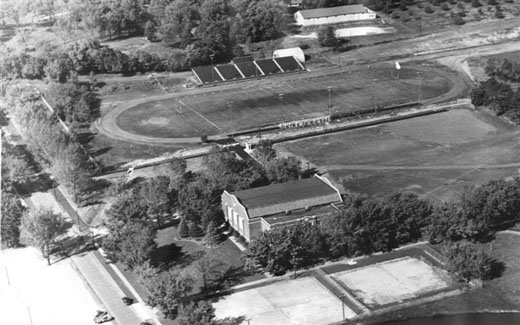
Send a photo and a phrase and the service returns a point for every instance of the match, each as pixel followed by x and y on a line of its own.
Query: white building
pixel 334 15
pixel 293 51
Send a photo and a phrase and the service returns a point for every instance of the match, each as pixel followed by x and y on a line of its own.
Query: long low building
pixel 260 209
pixel 333 15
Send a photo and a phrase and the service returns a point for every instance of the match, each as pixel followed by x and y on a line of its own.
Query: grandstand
pixel 243 69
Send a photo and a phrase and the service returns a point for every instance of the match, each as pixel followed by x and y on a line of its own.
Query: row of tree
pixel 505 70
pixel 499 97
pixel 368 226
pixel 45 138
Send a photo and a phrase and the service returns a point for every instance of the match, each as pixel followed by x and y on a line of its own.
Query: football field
pixel 275 100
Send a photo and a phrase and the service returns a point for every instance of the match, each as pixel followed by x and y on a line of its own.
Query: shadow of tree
pixel 162 257
pixel 71 246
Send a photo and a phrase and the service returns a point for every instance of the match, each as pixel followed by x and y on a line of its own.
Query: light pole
pixel 211 57
pixel 375 95
pixel 280 96
pixel 420 80
pixel 329 89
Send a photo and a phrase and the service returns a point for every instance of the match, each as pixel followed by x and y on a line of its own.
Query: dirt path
pixel 425 167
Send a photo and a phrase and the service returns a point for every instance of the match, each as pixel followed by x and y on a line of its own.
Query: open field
pixel 394 281
pixel 228 110
pixel 433 155
pixel 301 301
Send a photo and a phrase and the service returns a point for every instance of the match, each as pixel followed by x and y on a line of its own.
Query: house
pixel 256 210
pixel 334 15
pixel 296 52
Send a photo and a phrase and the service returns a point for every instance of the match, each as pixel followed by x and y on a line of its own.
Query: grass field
pixel 301 301
pixel 394 281
pixel 243 108
pixel 511 56
pixel 436 155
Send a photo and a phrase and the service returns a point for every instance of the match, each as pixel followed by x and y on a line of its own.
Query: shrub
pixel 460 5
pixel 395 15
pixel 461 14
pixel 429 10
pixel 459 21
pixel 403 6
pixel 453 2
pixel 420 5
pixel 476 4
pixel 445 7
pixel 204 138
pixel 499 14
pixel 492 2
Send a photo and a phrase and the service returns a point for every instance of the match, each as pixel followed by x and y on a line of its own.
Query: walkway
pixel 106 289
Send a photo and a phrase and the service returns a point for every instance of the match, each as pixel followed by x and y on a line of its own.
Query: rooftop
pixel 333 11
pixel 282 218
pixel 277 198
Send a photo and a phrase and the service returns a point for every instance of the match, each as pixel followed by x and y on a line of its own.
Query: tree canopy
pixel 41 228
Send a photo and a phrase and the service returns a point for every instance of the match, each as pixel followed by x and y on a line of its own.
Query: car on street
pixel 102 317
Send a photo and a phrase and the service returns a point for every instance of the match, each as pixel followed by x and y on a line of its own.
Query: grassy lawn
pixel 238 109
pixel 441 151
pixel 497 294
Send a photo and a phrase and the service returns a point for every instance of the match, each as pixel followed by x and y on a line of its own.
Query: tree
pixel 194 230
pixel 168 290
pixel 182 230
pixel 154 193
pixel 470 262
pixel 211 269
pixel 16 169
pixel 41 228
pixel 203 313
pixel 212 236
pixel 261 20
pixel 327 36
pixel 131 244
pixel 196 313
pixel 281 170
pixel 12 213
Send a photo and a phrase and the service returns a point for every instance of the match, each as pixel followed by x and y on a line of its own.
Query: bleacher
pixel 244 69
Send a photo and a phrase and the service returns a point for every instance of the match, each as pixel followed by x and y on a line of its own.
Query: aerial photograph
pixel 260 162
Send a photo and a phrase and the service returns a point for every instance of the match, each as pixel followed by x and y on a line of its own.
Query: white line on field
pixel 194 111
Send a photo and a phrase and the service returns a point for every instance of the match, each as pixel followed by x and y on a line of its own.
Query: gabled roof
pixel 277 198
pixel 333 11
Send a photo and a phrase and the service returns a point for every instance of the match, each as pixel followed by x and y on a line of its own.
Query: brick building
pixel 253 211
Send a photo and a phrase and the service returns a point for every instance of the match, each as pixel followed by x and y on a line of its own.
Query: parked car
pixel 102 317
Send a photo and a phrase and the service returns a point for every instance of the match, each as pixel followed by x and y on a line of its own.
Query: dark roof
pixel 268 66
pixel 281 218
pixel 288 63
pixel 249 69
pixel 333 11
pixel 206 74
pixel 277 198
pixel 229 72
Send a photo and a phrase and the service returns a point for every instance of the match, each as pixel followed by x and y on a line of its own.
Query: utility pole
pixel 375 95
pixel 211 57
pixel 329 89
pixel 420 80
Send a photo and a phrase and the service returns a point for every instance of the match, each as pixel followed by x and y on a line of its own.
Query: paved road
pixel 105 288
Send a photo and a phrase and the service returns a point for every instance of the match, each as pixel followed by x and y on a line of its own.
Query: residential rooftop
pixel 333 11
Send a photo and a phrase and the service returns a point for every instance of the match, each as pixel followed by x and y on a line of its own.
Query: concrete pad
pixel 394 280
pixel 301 301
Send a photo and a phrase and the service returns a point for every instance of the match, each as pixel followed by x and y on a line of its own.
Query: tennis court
pixel 394 281
pixel 301 301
